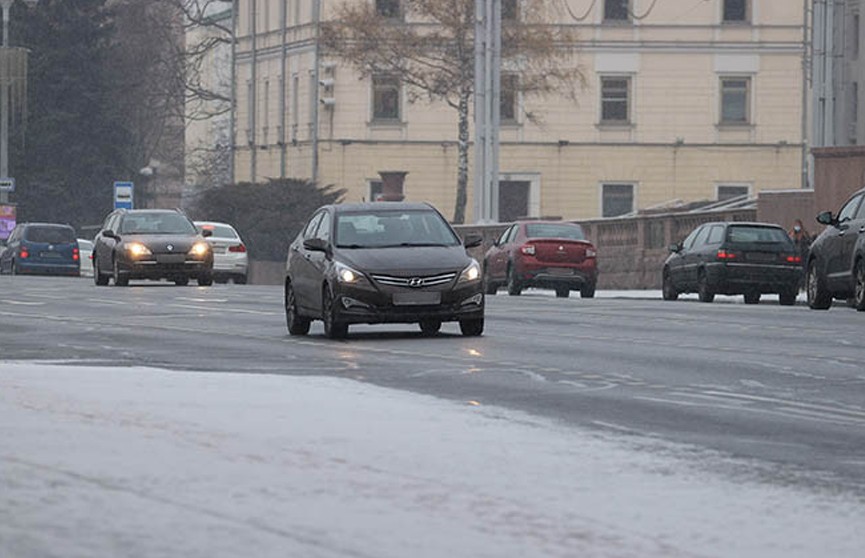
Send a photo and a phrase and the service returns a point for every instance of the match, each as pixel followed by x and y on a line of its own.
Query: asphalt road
pixel 783 387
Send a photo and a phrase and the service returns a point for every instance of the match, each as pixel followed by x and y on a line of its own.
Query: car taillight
pixel 528 249
pixel 794 259
pixel 75 254
pixel 237 248
pixel 725 255
pixel 24 254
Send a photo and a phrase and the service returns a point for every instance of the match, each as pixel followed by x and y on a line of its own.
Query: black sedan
pixel 734 258
pixel 384 262
pixel 836 261
pixel 151 244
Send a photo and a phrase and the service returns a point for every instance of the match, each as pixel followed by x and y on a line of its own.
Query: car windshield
pixel 390 228
pixel 752 234
pixel 219 231
pixel 555 230
pixel 156 223
pixel 49 234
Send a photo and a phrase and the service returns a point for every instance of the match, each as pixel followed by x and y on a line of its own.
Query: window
pixel 854 37
pixel 735 11
pixel 849 210
pixel 509 10
pixel 716 234
pixel 387 8
pixel 728 192
pixel 385 98
pixel 735 92
pixel 614 100
pixel 508 98
pixel 618 199
pixel 323 230
pixel 375 190
pixel 617 10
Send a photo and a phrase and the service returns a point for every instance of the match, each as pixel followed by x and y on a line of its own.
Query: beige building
pixel 685 100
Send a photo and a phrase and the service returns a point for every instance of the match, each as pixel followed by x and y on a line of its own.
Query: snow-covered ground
pixel 99 462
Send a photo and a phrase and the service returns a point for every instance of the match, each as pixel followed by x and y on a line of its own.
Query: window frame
pixel 610 6
pixel 724 90
pixel 718 187
pixel 633 196
pixel 376 89
pixel 389 9
pixel 746 15
pixel 514 91
pixel 604 99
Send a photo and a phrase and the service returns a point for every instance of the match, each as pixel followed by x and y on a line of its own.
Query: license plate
pixel 560 271
pixel 419 298
pixel 761 257
pixel 170 258
pixel 51 255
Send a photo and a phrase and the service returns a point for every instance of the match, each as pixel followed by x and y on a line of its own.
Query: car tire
pixel 333 328
pixel 668 289
pixel 788 298
pixel 859 286
pixel 13 269
pixel 240 280
pixel 563 292
pixel 704 291
pixel 205 280
pixel 514 287
pixel 819 297
pixel 99 278
pixel 297 324
pixel 752 298
pixel 430 326
pixel 472 328
pixel 181 281
pixel 119 279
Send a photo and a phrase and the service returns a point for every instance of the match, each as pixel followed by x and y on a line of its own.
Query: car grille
pixel 415 281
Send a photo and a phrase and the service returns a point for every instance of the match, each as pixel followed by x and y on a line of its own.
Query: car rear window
pixel 549 230
pixel 219 231
pixel 750 233
pixel 49 234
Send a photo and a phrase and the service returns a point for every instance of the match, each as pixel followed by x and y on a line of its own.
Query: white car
pixel 230 260
pixel 85 253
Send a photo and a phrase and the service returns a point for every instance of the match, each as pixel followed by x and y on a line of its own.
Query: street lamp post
pixel 10 59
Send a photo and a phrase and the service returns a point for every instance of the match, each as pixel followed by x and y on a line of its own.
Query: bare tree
pixel 429 45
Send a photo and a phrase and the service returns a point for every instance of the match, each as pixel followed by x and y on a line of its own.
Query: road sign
pixel 7 184
pixel 124 195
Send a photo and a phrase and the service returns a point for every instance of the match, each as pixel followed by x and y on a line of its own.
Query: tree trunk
pixel 463 164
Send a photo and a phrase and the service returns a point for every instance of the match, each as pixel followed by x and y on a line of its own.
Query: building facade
pixel 684 100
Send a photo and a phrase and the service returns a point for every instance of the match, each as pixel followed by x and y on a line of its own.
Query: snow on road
pixel 102 462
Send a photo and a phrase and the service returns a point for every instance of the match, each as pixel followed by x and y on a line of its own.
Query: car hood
pixel 405 261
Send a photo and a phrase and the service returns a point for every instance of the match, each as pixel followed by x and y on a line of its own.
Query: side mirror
pixel 206 232
pixel 316 244
pixel 826 218
pixel 472 240
pixel 675 248
pixel 108 233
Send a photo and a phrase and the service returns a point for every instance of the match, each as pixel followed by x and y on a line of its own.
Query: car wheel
pixel 13 269
pixel 120 280
pixel 704 292
pixel 668 289
pixel 788 298
pixel 588 290
pixel 563 292
pixel 240 280
pixel 333 328
pixel 514 287
pixel 99 279
pixel 181 281
pixel 859 292
pixel 205 280
pixel 819 297
pixel 752 298
pixel 430 326
pixel 472 328
pixel 297 324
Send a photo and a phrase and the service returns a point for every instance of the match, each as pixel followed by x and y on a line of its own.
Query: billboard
pixel 7 220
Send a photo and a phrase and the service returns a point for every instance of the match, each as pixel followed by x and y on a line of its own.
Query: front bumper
pixel 739 278
pixel 362 306
pixel 152 269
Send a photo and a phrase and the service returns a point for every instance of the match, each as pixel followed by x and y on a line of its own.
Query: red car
pixel 542 254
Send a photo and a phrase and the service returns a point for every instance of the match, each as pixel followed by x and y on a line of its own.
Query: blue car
pixel 41 248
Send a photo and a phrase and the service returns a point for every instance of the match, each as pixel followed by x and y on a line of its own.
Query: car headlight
pixel 137 250
pixel 199 249
pixel 347 275
pixel 471 273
